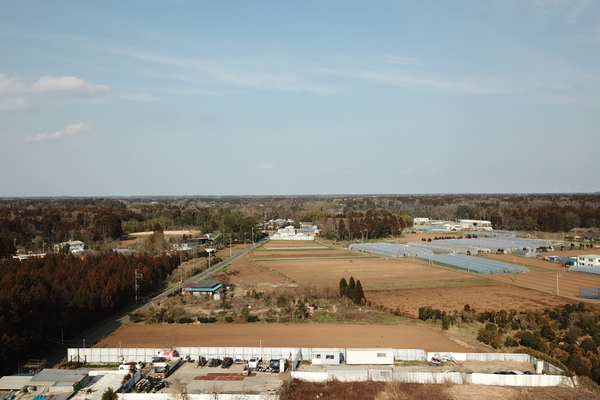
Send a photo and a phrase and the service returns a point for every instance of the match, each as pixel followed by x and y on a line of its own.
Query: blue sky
pixel 142 98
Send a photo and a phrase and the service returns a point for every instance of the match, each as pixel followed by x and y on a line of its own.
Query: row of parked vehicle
pixel 151 385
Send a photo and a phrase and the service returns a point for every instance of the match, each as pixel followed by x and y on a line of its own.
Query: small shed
pixel 60 380
pixel 207 287
pixel 370 356
pixel 327 356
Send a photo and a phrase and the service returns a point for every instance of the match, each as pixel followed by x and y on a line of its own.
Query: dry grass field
pixel 407 283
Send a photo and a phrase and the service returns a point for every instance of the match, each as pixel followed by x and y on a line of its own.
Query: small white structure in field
pixel 370 356
pixel 327 356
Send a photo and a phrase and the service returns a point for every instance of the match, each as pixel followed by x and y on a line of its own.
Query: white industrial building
pixel 75 247
pixel 370 356
pixel 291 233
pixel 327 356
pixel 588 260
pixel 476 224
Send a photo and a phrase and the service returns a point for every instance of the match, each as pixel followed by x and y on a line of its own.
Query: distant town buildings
pixel 76 247
pixel 426 224
pixel 292 233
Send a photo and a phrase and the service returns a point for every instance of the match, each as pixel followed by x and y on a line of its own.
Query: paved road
pixel 94 336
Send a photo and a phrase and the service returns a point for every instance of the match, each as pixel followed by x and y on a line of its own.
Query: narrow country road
pixel 95 335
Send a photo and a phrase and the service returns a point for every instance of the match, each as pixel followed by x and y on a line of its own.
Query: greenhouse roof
pixel 389 249
pixel 473 264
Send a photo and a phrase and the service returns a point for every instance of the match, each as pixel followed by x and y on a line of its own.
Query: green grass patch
pixel 324 318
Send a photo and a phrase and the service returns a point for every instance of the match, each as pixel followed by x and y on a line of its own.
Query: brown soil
pixel 369 271
pixel 480 298
pixel 282 335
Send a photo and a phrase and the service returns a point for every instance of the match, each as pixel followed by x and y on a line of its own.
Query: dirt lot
pixel 281 335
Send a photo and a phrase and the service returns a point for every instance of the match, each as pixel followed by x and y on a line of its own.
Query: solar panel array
pixel 472 264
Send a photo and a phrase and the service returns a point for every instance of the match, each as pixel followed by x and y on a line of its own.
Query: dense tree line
pixel 35 224
pixel 569 336
pixel 43 300
pixel 370 225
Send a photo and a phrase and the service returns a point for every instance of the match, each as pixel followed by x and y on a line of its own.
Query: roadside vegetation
pixel 568 337
pixel 335 390
pixel 294 304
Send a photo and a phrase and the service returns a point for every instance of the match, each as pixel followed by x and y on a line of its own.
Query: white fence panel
pixel 519 380
pixel 430 377
pixel 310 376
pixel 166 396
pixel 381 374
pixel 360 375
pixel 410 355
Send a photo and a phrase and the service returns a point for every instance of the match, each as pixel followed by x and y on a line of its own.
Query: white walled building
pixel 370 356
pixel 589 260
pixel 476 224
pixel 75 247
pixel 291 233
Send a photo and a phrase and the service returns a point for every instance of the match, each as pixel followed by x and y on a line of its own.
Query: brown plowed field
pixel 281 335
pixel 543 276
pixel 317 253
pixel 485 297
pixel 293 243
pixel 567 283
pixel 371 272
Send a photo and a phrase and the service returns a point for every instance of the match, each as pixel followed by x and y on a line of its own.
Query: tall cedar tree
pixel 350 289
pixel 359 295
pixel 343 286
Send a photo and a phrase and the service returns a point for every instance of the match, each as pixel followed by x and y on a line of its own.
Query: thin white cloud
pixel 68 85
pixel 11 85
pixel 15 104
pixel 244 72
pixel 397 60
pixel 465 86
pixel 15 93
pixel 265 166
pixel 70 130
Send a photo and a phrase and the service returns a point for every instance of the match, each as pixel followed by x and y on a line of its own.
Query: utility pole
pixel 229 246
pixel 137 286
pixel 557 291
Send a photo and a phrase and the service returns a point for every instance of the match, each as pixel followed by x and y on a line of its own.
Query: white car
pixel 127 366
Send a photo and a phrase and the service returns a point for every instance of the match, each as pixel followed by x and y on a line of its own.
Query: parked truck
pixel 165 363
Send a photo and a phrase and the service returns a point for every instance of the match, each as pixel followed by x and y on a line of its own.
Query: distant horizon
pixel 297 195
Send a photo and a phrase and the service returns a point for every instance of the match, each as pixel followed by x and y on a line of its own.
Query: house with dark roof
pixel 207 287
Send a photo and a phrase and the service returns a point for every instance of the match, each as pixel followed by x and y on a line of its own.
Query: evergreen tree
pixel 359 294
pixel 341 230
pixel 350 289
pixel 109 394
pixel 343 286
